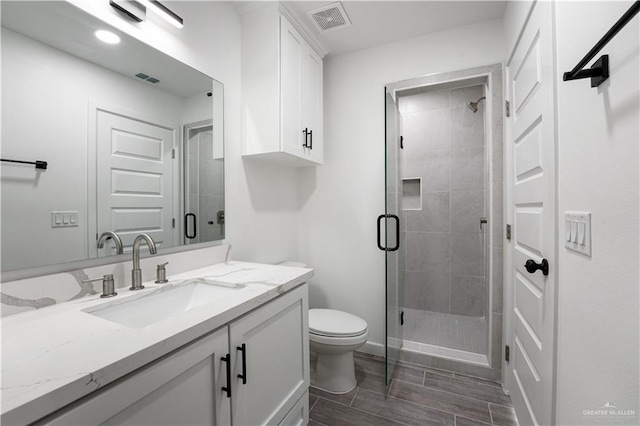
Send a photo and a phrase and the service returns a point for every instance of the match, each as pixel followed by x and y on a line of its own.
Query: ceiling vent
pixel 330 17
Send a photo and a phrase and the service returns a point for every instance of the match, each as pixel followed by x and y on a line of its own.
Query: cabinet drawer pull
pixel 310 139
pixel 227 389
pixel 243 376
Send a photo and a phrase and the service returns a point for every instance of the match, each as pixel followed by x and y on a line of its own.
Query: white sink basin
pixel 169 301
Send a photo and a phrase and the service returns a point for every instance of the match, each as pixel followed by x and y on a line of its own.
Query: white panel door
pixel 312 103
pixel 270 350
pixel 291 45
pixel 134 180
pixel 531 150
pixel 183 388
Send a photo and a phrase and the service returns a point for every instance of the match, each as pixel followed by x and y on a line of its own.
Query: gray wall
pixel 445 147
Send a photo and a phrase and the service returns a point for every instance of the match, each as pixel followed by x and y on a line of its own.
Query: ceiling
pixel 380 22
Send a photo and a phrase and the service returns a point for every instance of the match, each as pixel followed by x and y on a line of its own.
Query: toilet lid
pixel 330 322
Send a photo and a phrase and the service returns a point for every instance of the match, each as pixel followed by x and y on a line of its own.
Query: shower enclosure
pixel 446 178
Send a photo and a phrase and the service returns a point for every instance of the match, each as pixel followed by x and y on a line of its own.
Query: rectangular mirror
pixel 132 138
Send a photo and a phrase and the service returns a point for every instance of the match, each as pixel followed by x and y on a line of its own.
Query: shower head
pixel 473 106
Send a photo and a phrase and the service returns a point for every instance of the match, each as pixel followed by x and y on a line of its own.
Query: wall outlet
pixel 64 219
pixel 577 232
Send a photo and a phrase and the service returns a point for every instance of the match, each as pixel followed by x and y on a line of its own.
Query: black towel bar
pixel 39 164
pixel 599 71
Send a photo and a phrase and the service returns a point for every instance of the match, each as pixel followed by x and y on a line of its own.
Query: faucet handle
pixel 108 285
pixel 161 273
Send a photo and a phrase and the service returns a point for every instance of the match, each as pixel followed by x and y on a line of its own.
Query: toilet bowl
pixel 333 336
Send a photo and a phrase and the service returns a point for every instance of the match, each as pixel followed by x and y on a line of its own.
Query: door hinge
pixel 508 232
pixel 507 108
pixel 173 222
pixel 506 353
pixel 173 153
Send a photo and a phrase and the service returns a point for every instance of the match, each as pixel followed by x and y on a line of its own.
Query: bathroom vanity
pixel 225 344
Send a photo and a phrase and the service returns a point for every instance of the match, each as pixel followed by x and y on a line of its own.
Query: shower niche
pixel 411 194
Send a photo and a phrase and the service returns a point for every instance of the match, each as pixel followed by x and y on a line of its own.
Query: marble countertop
pixel 56 355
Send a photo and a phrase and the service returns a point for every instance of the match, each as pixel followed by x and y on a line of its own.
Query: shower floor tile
pixel 451 331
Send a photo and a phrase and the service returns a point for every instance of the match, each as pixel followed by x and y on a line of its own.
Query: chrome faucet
pixel 115 237
pixel 136 272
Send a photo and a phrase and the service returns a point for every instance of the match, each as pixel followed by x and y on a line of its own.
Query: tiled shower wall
pixel 444 146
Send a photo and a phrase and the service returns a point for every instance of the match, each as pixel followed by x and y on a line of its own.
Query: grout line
pixel 314 404
pixel 459 394
pixel 491 415
pixel 356 392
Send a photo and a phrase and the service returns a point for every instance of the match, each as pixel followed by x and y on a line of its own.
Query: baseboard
pixel 372 348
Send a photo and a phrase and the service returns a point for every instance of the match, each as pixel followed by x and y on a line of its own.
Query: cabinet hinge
pixel 508 232
pixel 173 153
pixel 507 108
pixel 506 353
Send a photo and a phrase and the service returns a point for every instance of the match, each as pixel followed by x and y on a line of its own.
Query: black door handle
pixel 378 229
pixel 227 388
pixel 186 225
pixel 310 139
pixel 531 266
pixel 397 246
pixel 243 376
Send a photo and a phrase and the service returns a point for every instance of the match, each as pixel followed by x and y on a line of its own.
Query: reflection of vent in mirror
pixel 330 17
pixel 145 77
pixel 412 194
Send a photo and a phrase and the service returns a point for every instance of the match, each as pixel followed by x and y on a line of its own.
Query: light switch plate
pixel 64 219
pixel 577 232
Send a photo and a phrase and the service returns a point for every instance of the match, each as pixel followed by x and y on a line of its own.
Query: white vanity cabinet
pixel 282 90
pixel 193 386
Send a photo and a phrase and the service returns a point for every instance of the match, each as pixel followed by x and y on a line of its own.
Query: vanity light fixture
pixel 107 37
pixel 164 12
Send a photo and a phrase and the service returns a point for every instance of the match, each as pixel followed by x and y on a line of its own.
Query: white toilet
pixel 334 335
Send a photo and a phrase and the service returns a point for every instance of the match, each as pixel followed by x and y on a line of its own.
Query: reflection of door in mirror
pixel 134 179
pixel 204 187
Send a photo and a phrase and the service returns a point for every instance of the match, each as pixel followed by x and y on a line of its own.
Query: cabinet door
pixel 183 388
pixel 291 51
pixel 276 367
pixel 311 103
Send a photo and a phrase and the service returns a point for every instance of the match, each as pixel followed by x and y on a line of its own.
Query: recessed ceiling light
pixel 107 36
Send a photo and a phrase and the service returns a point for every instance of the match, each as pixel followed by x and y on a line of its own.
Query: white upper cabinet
pixel 282 90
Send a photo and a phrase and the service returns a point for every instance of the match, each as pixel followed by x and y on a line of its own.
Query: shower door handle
pixel 397 246
pixel 186 226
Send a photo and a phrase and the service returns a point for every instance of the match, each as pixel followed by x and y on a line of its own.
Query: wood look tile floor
pixel 417 396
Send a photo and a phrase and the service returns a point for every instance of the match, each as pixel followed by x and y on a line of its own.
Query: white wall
pixel 598 157
pixel 341 200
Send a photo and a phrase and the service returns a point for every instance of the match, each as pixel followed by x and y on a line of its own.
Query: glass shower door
pixel 394 244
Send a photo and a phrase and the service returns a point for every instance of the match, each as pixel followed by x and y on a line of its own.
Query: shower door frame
pixel 394 255
pixel 492 76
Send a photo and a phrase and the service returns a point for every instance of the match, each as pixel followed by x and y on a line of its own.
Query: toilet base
pixel 335 373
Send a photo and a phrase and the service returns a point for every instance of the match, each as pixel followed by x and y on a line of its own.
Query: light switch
pixel 64 219
pixel 581 232
pixel 578 232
